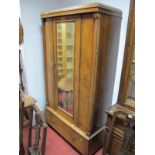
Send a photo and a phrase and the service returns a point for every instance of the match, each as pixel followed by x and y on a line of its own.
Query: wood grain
pixel 119 128
pixel 88 8
pixel 86 60
pixel 97 30
pixel 106 68
pixel 48 60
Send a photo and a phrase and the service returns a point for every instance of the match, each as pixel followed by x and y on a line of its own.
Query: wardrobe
pixel 80 56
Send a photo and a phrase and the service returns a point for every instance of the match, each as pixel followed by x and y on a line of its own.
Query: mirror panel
pixel 65 65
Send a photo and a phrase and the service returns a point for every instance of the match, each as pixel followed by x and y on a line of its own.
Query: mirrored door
pixel 65 32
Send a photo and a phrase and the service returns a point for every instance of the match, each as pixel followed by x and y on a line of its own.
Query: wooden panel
pixel 48 60
pixel 117 142
pixel 115 146
pixel 88 8
pixel 77 138
pixel 107 60
pixel 76 73
pixel 119 128
pixel 97 20
pixel 86 61
pixel 68 133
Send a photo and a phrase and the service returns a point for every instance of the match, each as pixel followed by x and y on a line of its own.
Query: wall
pixel 33 50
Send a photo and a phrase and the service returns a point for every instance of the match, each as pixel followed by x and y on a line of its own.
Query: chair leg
pixel 30 126
pixel 37 135
pixel 44 141
pixel 108 139
pixel 21 112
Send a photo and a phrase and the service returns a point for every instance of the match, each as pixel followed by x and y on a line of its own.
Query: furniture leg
pixel 21 112
pixel 44 141
pixel 30 126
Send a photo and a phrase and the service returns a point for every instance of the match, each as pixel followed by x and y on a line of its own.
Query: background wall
pixel 33 50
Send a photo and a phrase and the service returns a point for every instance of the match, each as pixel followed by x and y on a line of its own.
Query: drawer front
pixel 74 138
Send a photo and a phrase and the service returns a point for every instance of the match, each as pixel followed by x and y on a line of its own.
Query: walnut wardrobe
pixel 80 55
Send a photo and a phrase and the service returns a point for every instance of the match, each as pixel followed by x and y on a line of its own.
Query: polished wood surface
pixel 74 135
pixel 40 138
pixel 95 54
pixel 107 59
pixel 118 133
pixel 88 8
pixel 86 79
pixel 29 107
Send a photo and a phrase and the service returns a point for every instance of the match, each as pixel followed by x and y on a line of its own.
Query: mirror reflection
pixel 65 65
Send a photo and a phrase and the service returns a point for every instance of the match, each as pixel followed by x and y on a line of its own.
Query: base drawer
pixel 86 145
pixel 74 138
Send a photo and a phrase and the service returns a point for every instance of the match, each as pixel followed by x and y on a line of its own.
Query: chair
pixel 40 122
pixel 129 135
pixel 28 105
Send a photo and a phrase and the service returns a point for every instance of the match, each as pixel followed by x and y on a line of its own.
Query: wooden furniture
pixel 27 105
pixel 31 108
pixel 21 103
pixel 126 97
pixel 21 120
pixel 80 53
pixel 40 122
pixel 119 138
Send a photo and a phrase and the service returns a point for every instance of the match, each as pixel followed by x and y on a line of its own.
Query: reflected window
pixel 65 65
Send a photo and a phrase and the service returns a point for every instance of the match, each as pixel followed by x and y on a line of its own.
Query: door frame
pixel 77 19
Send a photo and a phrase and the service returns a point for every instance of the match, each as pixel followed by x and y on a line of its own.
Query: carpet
pixel 55 144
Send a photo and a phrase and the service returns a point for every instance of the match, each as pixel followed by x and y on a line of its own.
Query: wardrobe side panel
pixel 106 70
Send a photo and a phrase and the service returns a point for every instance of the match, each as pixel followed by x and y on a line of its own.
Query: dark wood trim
pixel 128 54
